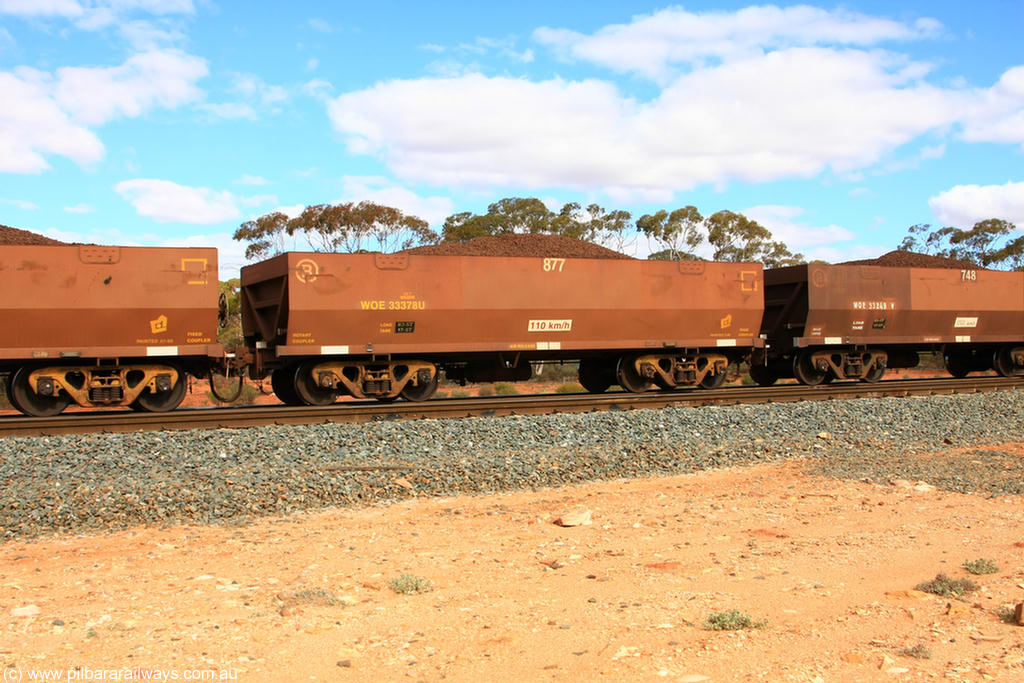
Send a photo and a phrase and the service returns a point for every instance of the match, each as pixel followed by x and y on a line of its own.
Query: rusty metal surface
pixel 351 304
pixel 91 301
pixel 363 411
pixel 819 304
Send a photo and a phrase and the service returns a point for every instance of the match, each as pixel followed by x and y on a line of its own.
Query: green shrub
pixel 460 393
pixel 505 389
pixel 4 403
pixel 918 651
pixel 485 390
pixel 981 566
pixel 570 388
pixel 228 387
pixel 731 620
pixel 407 584
pixel 947 587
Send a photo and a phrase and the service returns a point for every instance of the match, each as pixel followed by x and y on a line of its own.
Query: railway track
pixel 363 411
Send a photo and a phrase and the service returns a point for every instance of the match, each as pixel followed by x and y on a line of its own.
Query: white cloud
pixel 247 179
pixel 229 110
pixel 32 125
pixel 383 191
pixel 96 14
pixel 51 114
pixel 166 201
pixel 748 120
pixel 41 8
pixel 964 205
pixel 997 114
pixel 20 204
pixel 159 78
pixel 787 224
pixel 81 208
pixel 652 45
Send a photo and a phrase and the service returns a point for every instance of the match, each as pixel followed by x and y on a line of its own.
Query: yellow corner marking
pixel 197 270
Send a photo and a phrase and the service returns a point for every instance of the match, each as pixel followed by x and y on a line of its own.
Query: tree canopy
pixel 350 227
pixel 992 243
pixel 529 215
pixel 732 236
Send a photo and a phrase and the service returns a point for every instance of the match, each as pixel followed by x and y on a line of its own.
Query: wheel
pixel 162 401
pixel 763 375
pixel 596 375
pixel 420 392
pixel 1002 362
pixel 282 381
pixel 629 379
pixel 29 402
pixel 874 374
pixel 309 390
pixel 805 372
pixel 713 381
pixel 957 365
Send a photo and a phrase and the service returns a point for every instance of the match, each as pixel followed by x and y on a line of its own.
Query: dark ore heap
pixel 24 237
pixel 554 246
pixel 910 259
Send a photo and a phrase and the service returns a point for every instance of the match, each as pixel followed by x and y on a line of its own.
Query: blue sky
pixel 835 126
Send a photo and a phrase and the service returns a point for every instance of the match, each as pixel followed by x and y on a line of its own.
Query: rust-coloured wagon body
pixel 854 321
pixel 375 324
pixel 106 325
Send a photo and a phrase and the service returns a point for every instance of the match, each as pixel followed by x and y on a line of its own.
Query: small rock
pixel 404 483
pixel 580 517
pixel 58 622
pixel 693 678
pixel 824 436
pixel 1018 614
pixel 26 611
pixel 345 663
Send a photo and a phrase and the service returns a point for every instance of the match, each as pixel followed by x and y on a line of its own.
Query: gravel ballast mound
pixel 10 235
pixel 111 481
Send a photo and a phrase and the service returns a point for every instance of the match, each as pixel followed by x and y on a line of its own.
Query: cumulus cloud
pixel 746 120
pixel 787 223
pixel 383 191
pixel 651 45
pixel 756 95
pixel 165 201
pixel 51 114
pixel 160 78
pixel 964 205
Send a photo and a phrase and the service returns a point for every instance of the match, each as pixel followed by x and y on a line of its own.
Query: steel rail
pixel 362 411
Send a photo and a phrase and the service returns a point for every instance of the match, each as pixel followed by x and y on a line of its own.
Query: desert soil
pixel 829 566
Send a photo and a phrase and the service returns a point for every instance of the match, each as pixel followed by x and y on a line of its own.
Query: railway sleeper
pixel 48 390
pixel 413 380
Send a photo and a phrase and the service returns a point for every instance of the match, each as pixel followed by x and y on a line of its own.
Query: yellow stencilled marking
pixel 392 305
pixel 158 325
pixel 197 269
pixel 749 280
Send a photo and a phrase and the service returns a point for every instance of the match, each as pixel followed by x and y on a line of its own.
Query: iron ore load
pixel 385 325
pixel 105 326
pixel 825 322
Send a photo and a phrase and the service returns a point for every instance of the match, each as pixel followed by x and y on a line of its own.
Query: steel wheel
pixel 596 375
pixel 805 372
pixel 957 365
pixel 874 374
pixel 629 379
pixel 309 390
pixel 420 392
pixel 713 381
pixel 29 402
pixel 162 401
pixel 1002 362
pixel 282 381
pixel 763 375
